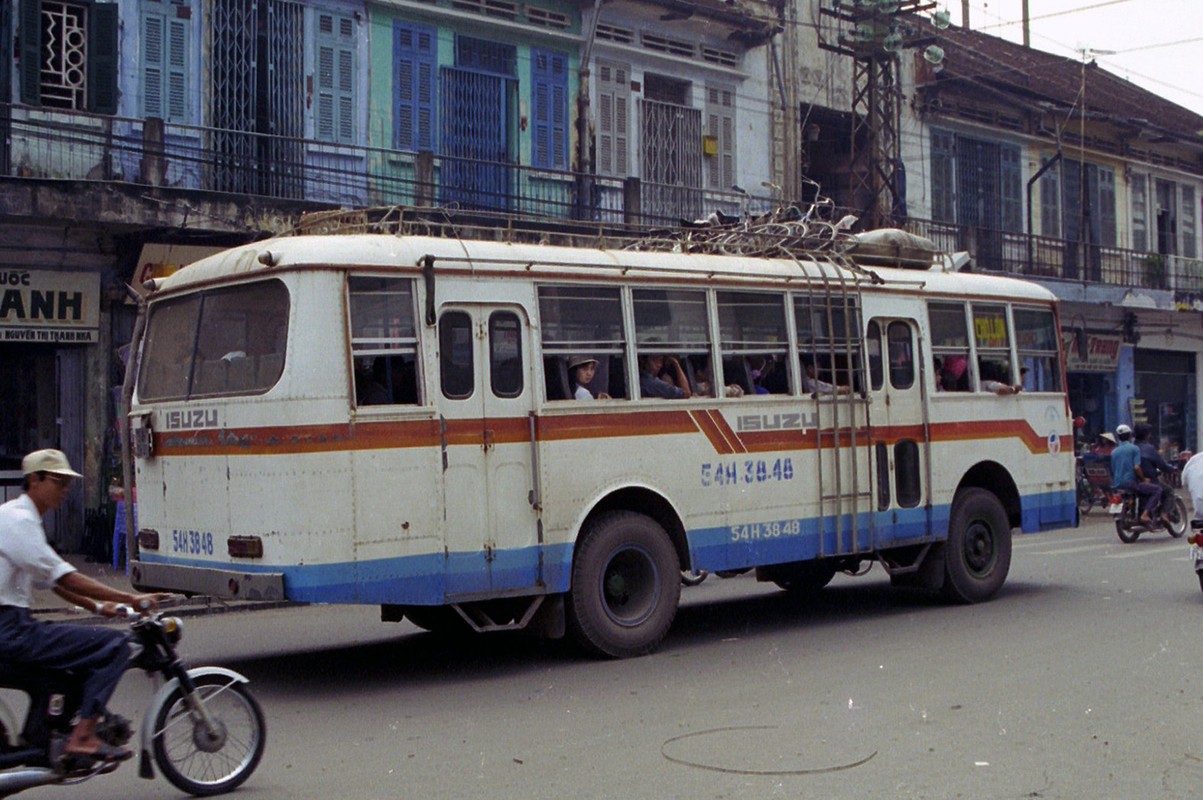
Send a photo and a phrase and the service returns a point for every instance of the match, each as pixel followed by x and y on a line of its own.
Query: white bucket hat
pixel 48 461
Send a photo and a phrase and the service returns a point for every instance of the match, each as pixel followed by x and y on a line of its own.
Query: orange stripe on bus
pixel 721 444
pixel 295 439
pixel 728 434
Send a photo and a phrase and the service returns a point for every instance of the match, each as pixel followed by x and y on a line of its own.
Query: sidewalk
pixel 49 607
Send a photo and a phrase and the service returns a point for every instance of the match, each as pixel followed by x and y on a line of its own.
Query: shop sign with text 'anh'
pixel 42 306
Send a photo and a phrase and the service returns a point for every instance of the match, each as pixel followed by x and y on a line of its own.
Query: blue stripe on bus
pixel 436 578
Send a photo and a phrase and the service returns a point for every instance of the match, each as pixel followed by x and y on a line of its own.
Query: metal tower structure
pixel 873 33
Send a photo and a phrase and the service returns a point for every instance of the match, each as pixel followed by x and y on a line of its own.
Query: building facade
pixel 136 135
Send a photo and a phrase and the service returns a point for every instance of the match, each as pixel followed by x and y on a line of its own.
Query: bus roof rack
pixel 787 232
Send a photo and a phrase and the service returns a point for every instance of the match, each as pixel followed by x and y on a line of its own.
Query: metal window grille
pixel 64 55
pixel 672 160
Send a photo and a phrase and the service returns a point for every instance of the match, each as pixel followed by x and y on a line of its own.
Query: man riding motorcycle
pixel 1127 472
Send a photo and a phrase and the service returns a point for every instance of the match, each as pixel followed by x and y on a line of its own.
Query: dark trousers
pixel 1150 493
pixel 98 655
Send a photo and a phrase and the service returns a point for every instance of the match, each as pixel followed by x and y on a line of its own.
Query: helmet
pixel 1123 430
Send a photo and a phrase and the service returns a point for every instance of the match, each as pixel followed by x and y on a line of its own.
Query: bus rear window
pixel 221 342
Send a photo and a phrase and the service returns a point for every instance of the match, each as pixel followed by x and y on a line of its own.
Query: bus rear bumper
pixel 227 584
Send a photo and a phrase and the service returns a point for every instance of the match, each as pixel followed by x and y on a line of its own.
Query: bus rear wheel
pixel 977 555
pixel 626 584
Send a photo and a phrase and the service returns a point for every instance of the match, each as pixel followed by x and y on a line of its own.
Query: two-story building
pixel 1059 171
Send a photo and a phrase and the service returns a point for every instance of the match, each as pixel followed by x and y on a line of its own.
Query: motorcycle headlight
pixel 173 627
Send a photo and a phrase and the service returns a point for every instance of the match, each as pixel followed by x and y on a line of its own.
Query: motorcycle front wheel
pixel 203 762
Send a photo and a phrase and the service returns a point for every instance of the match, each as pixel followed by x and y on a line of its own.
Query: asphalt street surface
pixel 1077 681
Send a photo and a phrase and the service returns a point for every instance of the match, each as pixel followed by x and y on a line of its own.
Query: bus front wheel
pixel 977 555
pixel 626 584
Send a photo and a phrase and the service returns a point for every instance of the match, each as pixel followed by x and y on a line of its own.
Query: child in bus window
pixel 581 370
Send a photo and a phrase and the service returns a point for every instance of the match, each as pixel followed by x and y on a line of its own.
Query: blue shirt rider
pixel 1127 474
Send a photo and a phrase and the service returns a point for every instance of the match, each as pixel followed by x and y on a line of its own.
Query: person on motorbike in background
pixel 1127 474
pixel 1152 465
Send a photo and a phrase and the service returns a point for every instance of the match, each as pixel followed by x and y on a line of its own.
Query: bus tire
pixel 977 555
pixel 626 584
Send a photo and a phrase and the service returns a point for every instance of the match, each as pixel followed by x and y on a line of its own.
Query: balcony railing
pixel 66 145
pixel 48 144
pixel 1062 259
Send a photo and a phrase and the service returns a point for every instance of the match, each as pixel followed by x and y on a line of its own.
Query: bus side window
pixel 455 355
pixel 873 348
pixel 1036 339
pixel 950 345
pixel 576 322
pixel 753 339
pixel 383 341
pixel 902 362
pixel 670 326
pixel 505 354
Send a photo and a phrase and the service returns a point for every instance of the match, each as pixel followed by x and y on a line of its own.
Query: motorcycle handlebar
pixel 164 601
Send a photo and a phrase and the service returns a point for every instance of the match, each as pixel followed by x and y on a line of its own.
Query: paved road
pixel 1077 681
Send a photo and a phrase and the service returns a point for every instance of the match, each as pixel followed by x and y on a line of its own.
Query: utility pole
pixel 873 33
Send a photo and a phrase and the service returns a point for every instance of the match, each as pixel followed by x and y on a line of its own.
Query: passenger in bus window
pixel 652 385
pixel 994 378
pixel 369 382
pixel 702 384
pixel 955 375
pixel 581 370
pixel 812 384
pixel 759 368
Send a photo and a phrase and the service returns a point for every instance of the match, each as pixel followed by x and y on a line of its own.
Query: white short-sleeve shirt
pixel 27 561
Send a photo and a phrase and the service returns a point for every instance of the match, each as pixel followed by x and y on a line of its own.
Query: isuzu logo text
pixel 190 419
pixel 776 422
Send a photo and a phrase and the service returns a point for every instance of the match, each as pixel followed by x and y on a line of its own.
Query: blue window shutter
pixel 335 120
pixel 413 86
pixel 549 109
pixel 164 63
pixel 178 34
pixel 154 56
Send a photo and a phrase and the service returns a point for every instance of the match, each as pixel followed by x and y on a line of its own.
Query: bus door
pixel 900 443
pixel 490 524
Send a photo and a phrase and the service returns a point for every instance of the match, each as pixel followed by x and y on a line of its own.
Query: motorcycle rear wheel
pixel 201 765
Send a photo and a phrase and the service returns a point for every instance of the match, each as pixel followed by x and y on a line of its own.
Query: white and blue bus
pixel 394 420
